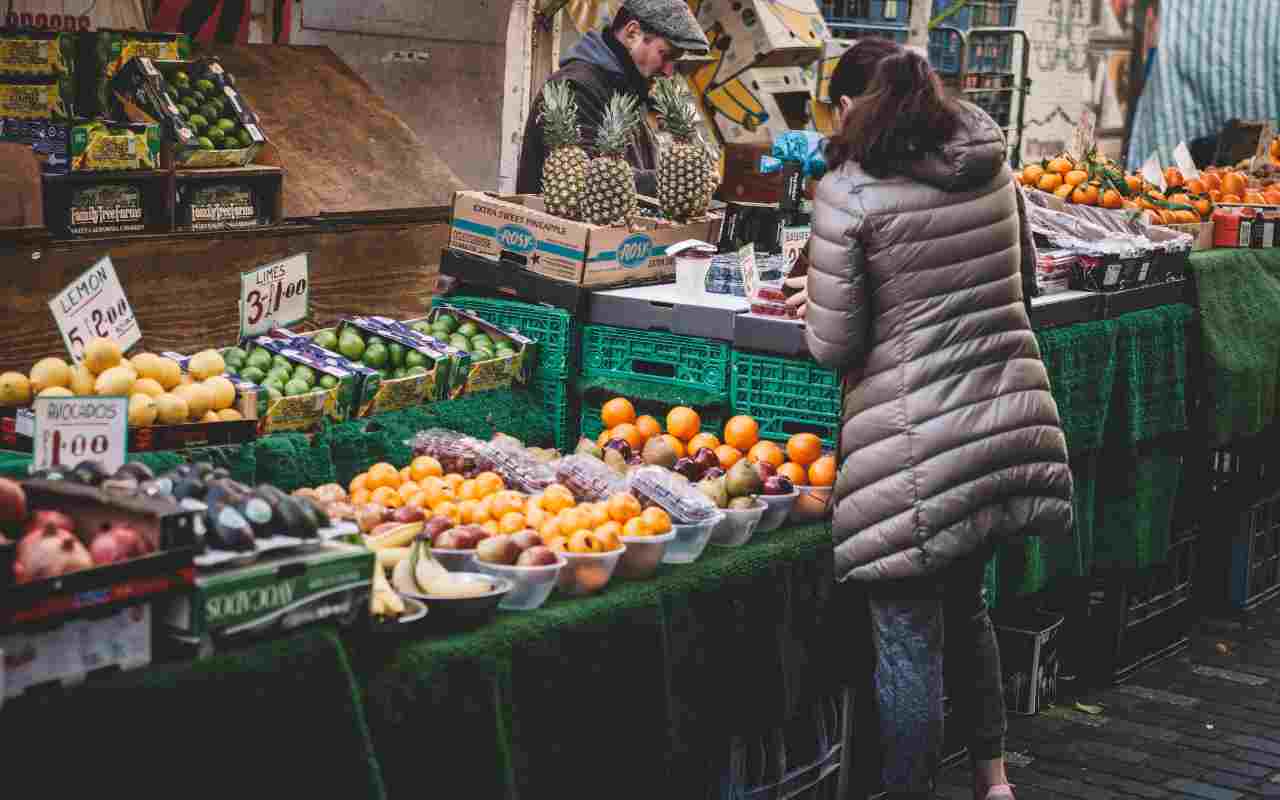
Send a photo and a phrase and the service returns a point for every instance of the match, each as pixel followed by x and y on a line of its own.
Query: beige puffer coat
pixel 950 436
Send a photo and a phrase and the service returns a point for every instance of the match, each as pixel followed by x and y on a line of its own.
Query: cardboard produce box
pixel 518 229
pixel 764 33
pixel 75 649
pixel 229 199
pixel 104 146
pixel 88 204
pixel 30 51
pixel 36 110
pixel 478 373
pixel 762 103
pixel 104 53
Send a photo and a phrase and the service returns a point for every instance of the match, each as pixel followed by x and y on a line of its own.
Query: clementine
pixel 617 411
pixel 489 483
pixel 1064 191
pixel 1233 183
pixel 359 497
pixel 405 474
pixel 675 444
pixel 383 474
pixel 703 441
pixel 447 509
pixel 636 527
pixel 766 451
pixel 1211 181
pixel 407 490
pixel 1112 199
pixel 804 448
pixel 823 471
pixel 359 482
pixel 1032 174
pixel 683 423
pixel 386 497
pixel 1049 182
pixel 656 520
pixel 629 433
pixel 728 455
pixel 425 467
pixel 648 427
pixel 794 472
pixel 742 432
pixel 1076 177
pixel 1060 165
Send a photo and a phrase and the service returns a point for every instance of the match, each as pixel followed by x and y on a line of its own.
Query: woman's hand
pixel 798 302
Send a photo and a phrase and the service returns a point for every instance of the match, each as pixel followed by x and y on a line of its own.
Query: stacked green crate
pixel 786 396
pixel 556 333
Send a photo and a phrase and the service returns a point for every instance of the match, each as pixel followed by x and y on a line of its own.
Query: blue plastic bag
pixel 802 147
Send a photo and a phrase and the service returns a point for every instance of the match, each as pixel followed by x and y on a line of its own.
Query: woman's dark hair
pixel 903 114
pixel 857 66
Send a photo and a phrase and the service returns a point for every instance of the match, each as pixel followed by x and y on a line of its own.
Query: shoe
pixel 1001 791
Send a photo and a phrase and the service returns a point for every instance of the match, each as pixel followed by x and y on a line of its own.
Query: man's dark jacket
pixel 596 67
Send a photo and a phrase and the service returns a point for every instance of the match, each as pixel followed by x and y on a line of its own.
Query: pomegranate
pixel 106 549
pixel 50 552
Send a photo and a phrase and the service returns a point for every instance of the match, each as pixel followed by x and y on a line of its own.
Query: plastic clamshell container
pixel 590 479
pixel 812 504
pixel 779 508
pixel 530 586
pixel 455 560
pixel 738 526
pixel 691 540
pixel 676 496
pixel 588 573
pixel 644 556
pixel 517 468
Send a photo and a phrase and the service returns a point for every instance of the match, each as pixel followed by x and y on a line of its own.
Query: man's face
pixel 653 55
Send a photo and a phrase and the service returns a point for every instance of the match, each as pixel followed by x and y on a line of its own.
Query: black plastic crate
pixel 1246 467
pixel 1253 554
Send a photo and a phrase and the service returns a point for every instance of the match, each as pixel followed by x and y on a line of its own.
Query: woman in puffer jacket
pixel 950 440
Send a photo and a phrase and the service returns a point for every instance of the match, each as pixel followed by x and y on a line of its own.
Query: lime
pixel 296 387
pixel 482 354
pixel 275 384
pixel 396 351
pixel 459 341
pixel 205 85
pixel 278 374
pixel 198 121
pixel 481 340
pixel 182 78
pixel 225 124
pixel 415 370
pixel 273 394
pixel 305 374
pixel 229 143
pixel 281 361
pixel 398 372
pixel 204 143
pixel 259 358
pixel 468 329
pixel 376 355
pixel 327 382
pixel 215 134
pixel 351 346
pixel 424 328
pixel 372 340
pixel 246 138
pixel 210 111
pixel 326 339
pixel 447 322
pixel 253 375
pixel 235 354
pixel 415 359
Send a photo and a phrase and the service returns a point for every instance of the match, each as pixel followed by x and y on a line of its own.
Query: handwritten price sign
pixel 69 430
pixel 94 305
pixel 274 295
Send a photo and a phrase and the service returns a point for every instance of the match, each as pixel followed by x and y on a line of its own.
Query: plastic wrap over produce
pixel 672 492
pixel 456 452
pixel 520 470
pixel 590 479
pixel 1096 227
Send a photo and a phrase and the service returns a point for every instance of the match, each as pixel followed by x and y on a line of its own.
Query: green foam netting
pixel 1029 564
pixel 656 391
pixel 1081 361
pixel 1150 397
pixel 732 644
pixel 288 461
pixel 1136 491
pixel 1239 295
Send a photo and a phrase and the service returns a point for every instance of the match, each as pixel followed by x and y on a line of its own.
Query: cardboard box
pixel 70 652
pixel 88 204
pixel 106 146
pixel 472 375
pixel 104 53
pixel 350 398
pixel 764 32
pixel 36 111
pixel 517 228
pixel 232 198
pixel 762 103
pixel 38 52
pixel 275 594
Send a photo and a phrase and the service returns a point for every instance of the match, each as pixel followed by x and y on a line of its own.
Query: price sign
pixel 1152 173
pixel 94 305
pixel 794 241
pixel 1186 164
pixel 1082 137
pixel 274 295
pixel 69 430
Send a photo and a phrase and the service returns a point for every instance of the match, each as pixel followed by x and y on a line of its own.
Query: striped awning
pixel 1218 60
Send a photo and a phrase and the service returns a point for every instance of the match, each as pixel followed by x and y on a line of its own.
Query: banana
pixel 401 536
pixel 388 557
pixel 383 600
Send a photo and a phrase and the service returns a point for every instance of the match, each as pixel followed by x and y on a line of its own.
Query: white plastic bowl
pixel 812 504
pixel 738 525
pixel 644 555
pixel 691 540
pixel 779 507
pixel 531 586
pixel 455 560
pixel 588 573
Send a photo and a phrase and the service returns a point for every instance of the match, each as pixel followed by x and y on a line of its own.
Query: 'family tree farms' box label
pixel 109 208
pixel 219 207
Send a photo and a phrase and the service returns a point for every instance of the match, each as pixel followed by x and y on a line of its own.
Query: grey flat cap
pixel 672 20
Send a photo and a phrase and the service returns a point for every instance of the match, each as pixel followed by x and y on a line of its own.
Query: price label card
pixel 1152 173
pixel 69 430
pixel 274 295
pixel 1082 137
pixel 794 241
pixel 1186 164
pixel 94 305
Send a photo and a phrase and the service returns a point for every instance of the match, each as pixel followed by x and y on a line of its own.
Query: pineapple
pixel 685 179
pixel 564 173
pixel 611 185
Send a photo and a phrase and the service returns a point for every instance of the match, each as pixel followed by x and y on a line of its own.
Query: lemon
pixel 210 416
pixel 142 410
pixel 224 392
pixel 101 355
pixel 148 386
pixel 198 399
pixel 49 372
pixel 147 365
pixel 230 415
pixel 15 389
pixel 56 391
pixel 171 409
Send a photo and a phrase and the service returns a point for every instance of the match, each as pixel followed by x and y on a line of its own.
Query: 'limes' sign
pixel 94 305
pixel 274 295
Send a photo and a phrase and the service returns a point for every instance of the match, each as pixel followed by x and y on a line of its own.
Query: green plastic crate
pixel 713 418
pixel 560 405
pixel 554 329
pixel 786 396
pixel 653 356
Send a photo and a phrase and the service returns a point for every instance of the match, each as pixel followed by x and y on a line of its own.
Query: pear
pixel 715 490
pixel 742 479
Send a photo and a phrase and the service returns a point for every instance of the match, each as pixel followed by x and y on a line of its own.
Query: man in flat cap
pixel 645 40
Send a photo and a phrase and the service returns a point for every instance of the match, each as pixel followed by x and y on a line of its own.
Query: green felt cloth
pixel 1239 293
pixel 1136 491
pixel 1081 360
pixel 545 703
pixel 279 719
pixel 1149 399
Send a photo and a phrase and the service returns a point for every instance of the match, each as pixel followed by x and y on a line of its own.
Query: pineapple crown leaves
pixel 674 105
pixel 559 115
pixel 621 116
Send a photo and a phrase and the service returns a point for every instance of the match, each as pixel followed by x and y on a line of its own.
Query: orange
pixel 447 509
pixel 511 522
pixel 703 441
pixel 419 500
pixel 823 471
pixel 617 412
pixel 386 496
pixel 1204 207
pixel 489 482
pixel 572 519
pixel 1076 177
pixel 629 433
pixel 1173 177
pixel 549 528
pixel 1049 182
pixel 472 513
pixel 804 448
pixel 766 451
pixel 359 497
pixel 556 498
pixel 1064 191
pixel 1134 183
pixel 408 490
pixel 425 467
pixel 794 472
pixel 648 426
pixel 683 423
pixel 741 432
pixel 1273 198
pixel 490 527
pixel 584 541
pixel 405 474
pixel 453 480
pixel 675 444
pixel 1186 217
pixel 636 527
pixel 1179 197
pixel 1167 217
pixel 623 506
pixel 1085 194
pixel 603 438
pixel 556 542
pixel 505 502
pixel 608 538
pixel 1229 198
pixel 469 490
pixel 1112 199
pixel 1211 181
pixel 728 456
pixel 1196 186
pixel 1233 183
pixel 534 516
pixel 599 514
pixel 443 493
pixel 359 482
pixel 656 520
pixel 383 474
pixel 1152 216
pixel 608 529
pixel 1060 165
pixel 1032 174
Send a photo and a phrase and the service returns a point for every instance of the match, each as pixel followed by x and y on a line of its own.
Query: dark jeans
pixel 932 638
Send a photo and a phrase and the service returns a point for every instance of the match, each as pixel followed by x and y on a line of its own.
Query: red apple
pixel 538 556
pixel 526 538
